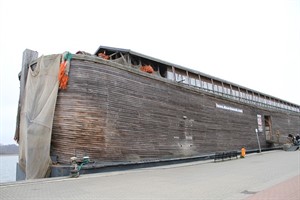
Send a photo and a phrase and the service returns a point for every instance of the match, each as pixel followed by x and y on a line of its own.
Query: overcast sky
pixel 255 44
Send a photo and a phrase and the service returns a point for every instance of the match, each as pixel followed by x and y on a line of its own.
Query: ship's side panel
pixel 113 114
pixel 284 123
pixel 80 115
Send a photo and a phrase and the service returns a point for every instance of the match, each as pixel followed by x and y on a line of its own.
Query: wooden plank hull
pixel 113 113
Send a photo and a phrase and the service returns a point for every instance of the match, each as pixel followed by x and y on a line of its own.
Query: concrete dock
pixel 269 175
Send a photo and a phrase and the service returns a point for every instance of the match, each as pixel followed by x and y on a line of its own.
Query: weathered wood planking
pixel 114 114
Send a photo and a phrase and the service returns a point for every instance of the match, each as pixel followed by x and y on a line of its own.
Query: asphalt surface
pixel 258 176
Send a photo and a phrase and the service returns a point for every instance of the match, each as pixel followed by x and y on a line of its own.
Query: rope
pixel 63 74
pixel 147 68
pixel 103 55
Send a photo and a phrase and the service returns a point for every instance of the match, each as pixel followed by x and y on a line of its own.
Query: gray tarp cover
pixel 37 114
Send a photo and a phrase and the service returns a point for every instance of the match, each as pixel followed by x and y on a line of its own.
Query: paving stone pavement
pixel 289 189
pixel 236 179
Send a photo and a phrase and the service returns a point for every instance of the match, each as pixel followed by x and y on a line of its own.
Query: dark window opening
pixel 268 128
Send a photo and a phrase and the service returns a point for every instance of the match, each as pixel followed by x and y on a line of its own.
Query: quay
pixel 268 175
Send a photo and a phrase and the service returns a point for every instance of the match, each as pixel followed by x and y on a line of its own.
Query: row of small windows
pixel 207 83
pixel 227 90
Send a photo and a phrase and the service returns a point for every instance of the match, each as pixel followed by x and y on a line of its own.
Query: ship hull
pixel 113 113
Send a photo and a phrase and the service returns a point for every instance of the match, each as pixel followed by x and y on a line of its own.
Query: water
pixel 8 168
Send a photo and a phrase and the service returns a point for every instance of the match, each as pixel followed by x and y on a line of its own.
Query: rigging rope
pixel 63 74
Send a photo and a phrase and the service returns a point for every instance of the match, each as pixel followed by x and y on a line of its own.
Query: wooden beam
pixel 28 57
pixel 201 84
pixel 187 76
pixel 173 69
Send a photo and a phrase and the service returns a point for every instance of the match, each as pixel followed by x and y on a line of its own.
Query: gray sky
pixel 255 43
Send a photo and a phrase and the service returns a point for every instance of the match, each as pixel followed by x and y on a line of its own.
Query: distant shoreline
pixel 10 149
pixel 9 154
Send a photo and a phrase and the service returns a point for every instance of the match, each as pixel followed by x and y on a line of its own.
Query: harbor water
pixel 8 168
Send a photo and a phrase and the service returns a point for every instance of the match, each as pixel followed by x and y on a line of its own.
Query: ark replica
pixel 120 107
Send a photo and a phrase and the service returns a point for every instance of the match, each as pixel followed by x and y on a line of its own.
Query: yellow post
pixel 243 152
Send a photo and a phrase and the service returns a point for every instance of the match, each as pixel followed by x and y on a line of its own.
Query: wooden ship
pixel 124 107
